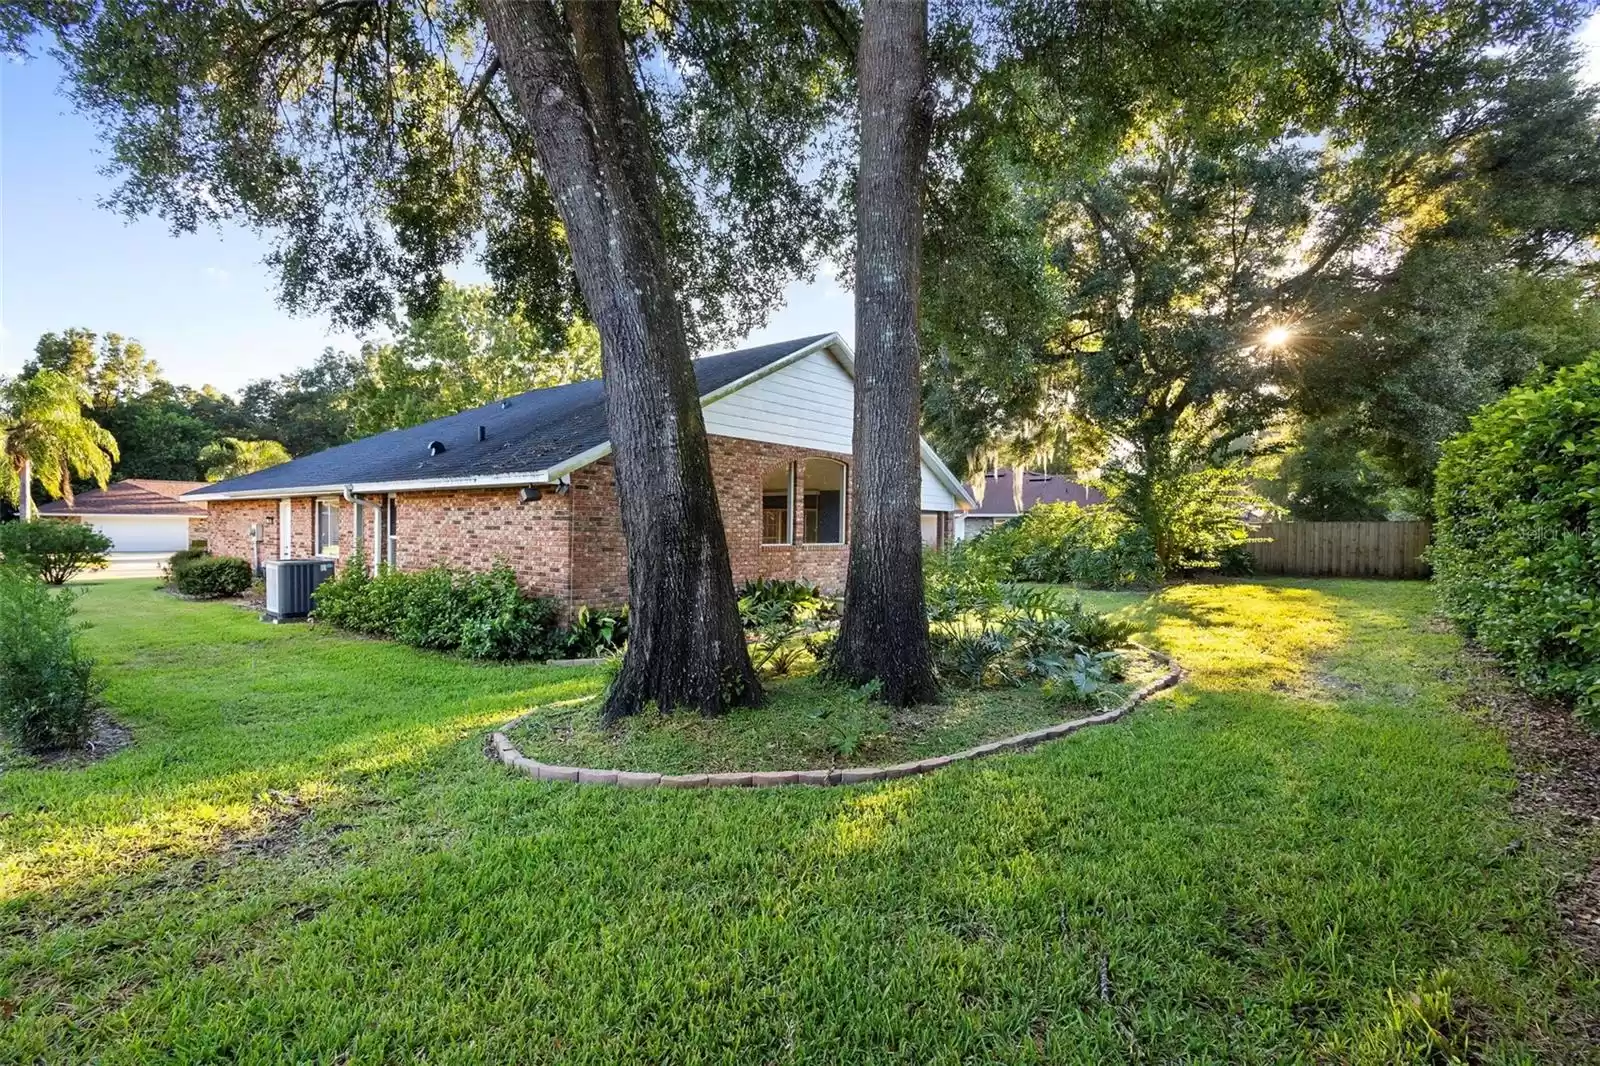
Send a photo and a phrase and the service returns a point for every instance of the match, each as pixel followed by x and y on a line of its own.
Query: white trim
pixel 832 343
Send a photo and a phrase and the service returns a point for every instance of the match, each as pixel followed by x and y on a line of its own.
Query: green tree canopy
pixel 469 352
pixel 231 457
pixel 46 436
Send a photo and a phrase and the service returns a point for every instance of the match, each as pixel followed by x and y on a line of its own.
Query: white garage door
pixel 129 533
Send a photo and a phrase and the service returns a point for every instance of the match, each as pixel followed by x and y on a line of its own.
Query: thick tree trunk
pixel 884 634
pixel 573 85
pixel 25 494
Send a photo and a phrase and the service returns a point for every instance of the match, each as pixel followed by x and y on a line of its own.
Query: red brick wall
pixel 568 546
pixel 473 529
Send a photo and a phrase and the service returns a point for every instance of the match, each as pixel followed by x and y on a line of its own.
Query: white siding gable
pixel 807 404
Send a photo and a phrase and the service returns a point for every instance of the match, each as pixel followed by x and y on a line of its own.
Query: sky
pixel 202 304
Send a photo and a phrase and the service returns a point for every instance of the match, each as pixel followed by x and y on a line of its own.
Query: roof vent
pixel 435 447
pixel 483 432
pixel 504 404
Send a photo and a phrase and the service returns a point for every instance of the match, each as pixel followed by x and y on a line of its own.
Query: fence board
pixel 1342 549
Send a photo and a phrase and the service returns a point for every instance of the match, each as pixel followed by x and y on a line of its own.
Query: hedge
pixel 211 576
pixel 1516 553
pixel 52 549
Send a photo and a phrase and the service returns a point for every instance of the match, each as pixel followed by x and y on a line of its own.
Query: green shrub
pixel 181 559
pixel 47 687
pixel 1516 554
pixel 53 550
pixel 797 599
pixel 1063 543
pixel 1015 635
pixel 213 576
pixel 591 634
pixel 480 615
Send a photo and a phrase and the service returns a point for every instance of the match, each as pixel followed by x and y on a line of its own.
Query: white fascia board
pixel 484 481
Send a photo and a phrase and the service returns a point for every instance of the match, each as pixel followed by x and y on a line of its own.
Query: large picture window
pixel 777 504
pixel 327 527
pixel 826 482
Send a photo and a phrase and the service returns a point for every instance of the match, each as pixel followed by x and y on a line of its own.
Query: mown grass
pixel 305 857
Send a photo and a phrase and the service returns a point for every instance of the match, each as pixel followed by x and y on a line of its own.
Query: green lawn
pixel 305 857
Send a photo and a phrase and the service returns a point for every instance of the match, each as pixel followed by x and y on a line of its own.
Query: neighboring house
pixel 529 480
pixel 139 515
pixel 999 500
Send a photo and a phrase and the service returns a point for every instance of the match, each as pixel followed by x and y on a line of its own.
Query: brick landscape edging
pixel 501 748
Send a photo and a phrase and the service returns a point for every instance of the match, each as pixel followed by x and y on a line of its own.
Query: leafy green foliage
pixel 1516 553
pixel 231 457
pixel 1063 543
pixel 468 352
pixel 45 433
pixel 47 684
pixel 993 635
pixel 53 550
pixel 481 615
pixel 794 600
pixel 593 633
pixel 212 577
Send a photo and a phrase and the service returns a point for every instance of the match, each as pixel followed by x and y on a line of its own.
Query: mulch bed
pixel 107 736
pixel 1557 761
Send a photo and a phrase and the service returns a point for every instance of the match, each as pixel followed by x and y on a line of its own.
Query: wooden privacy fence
pixel 1342 549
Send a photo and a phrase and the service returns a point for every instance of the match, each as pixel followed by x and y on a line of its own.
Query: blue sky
pixel 202 304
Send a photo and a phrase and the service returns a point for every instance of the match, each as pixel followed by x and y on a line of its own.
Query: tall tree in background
pixel 232 457
pixel 46 436
pixel 883 636
pixel 573 83
pixel 470 351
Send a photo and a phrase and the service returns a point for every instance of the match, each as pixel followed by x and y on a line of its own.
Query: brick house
pixel 528 480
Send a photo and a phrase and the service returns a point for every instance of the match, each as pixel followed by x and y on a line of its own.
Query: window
pixel 391 528
pixel 825 482
pixel 327 527
pixel 777 504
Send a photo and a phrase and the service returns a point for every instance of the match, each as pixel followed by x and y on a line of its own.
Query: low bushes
pixel 988 634
pixel 1516 554
pixel 480 615
pixel 210 577
pixel 53 550
pixel 47 687
pixel 1062 543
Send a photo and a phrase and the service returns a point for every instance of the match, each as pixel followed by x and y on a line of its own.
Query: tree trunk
pixel 573 86
pixel 25 493
pixel 884 633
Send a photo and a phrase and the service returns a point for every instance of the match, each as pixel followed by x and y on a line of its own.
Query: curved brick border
pixel 501 748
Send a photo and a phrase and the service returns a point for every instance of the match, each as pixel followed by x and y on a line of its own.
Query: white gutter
pixel 480 481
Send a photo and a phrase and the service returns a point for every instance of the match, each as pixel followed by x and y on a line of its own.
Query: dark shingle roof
pixel 135 496
pixel 526 434
pixel 999 492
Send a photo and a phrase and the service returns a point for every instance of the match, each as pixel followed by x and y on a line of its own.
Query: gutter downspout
pixel 350 496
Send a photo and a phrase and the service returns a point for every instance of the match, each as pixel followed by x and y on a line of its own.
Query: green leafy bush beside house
pixel 480 615
pixel 1516 554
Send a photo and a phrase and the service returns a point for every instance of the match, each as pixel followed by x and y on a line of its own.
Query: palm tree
pixel 44 434
pixel 232 457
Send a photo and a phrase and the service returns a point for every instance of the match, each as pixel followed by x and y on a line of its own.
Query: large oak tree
pixel 378 142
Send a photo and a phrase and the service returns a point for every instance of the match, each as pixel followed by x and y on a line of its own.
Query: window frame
pixel 319 527
pixel 844 506
pixel 788 510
